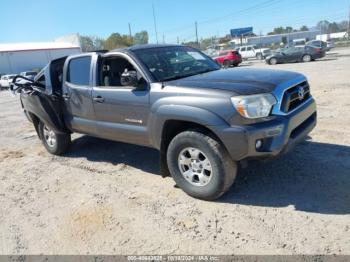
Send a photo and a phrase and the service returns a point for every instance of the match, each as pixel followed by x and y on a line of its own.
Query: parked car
pixel 29 74
pixel 6 80
pixel 295 54
pixel 251 51
pixel 321 44
pixel 301 42
pixel 204 120
pixel 229 58
pixel 330 45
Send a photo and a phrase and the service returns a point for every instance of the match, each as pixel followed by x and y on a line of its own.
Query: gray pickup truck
pixel 204 120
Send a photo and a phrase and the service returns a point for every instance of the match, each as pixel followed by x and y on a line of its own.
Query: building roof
pixel 15 47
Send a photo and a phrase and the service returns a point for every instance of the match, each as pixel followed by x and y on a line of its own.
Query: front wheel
pixel 54 143
pixel 200 165
pixel 273 61
pixel 259 56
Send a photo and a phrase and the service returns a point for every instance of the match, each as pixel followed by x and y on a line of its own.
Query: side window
pixel 249 49
pixel 243 49
pixel 41 80
pixel 111 70
pixel 78 72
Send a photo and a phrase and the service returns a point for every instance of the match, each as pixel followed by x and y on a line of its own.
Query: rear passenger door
pixel 76 91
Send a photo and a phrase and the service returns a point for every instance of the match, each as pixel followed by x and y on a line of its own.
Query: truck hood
pixel 241 81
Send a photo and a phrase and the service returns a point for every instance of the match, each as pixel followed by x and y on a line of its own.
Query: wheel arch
pixel 168 121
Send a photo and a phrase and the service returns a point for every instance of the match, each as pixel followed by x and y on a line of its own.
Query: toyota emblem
pixel 301 93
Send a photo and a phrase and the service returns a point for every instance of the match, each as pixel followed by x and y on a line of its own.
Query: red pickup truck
pixel 229 58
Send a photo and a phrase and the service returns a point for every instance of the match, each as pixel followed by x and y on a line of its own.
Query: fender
pixel 45 108
pixel 182 113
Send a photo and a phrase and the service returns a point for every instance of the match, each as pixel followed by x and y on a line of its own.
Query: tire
pixel 306 58
pixel 213 179
pixel 56 144
pixel 226 64
pixel 273 61
pixel 259 56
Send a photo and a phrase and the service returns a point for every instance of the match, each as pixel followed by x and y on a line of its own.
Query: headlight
pixel 254 106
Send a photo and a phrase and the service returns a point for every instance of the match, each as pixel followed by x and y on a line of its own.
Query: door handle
pixel 99 99
pixel 66 96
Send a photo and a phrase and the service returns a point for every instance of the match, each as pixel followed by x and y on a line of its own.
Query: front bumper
pixel 277 135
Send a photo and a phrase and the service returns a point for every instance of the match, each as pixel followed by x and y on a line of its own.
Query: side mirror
pixel 129 78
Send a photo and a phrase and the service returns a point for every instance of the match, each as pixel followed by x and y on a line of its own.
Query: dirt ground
pixel 107 198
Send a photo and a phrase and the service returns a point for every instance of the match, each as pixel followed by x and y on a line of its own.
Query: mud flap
pixel 164 170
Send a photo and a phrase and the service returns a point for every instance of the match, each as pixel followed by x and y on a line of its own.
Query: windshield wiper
pixel 188 75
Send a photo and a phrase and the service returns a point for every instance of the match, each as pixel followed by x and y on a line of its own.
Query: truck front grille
pixel 295 96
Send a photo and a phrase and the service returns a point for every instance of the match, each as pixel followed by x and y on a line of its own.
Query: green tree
pixel 281 30
pixel 141 38
pixel 86 44
pixel 117 40
pixel 333 28
pixel 322 26
pixel 91 43
pixel 205 43
pixel 304 28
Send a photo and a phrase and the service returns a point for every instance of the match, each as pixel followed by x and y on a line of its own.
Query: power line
pixel 261 5
pixel 254 7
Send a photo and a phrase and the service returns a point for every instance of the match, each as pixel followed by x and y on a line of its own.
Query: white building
pixel 19 57
pixel 326 37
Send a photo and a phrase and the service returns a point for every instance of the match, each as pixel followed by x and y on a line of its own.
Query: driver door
pixel 121 111
pixel 291 55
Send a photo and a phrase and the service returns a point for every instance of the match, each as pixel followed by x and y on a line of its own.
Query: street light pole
pixel 130 31
pixel 195 24
pixel 155 23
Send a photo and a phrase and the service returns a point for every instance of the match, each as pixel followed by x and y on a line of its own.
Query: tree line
pixel 115 40
pixel 324 26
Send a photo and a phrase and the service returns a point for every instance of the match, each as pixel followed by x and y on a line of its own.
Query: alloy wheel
pixel 195 166
pixel 49 136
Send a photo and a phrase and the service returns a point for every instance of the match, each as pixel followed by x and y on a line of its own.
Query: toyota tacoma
pixel 204 120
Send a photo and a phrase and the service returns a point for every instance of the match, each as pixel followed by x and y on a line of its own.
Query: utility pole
pixel 130 31
pixel 155 23
pixel 260 40
pixel 178 40
pixel 196 28
pixel 349 25
pixel 163 39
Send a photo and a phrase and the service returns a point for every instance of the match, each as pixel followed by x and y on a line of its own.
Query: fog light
pixel 258 144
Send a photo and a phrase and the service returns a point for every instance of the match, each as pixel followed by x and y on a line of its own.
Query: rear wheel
pixel 54 143
pixel 273 61
pixel 259 56
pixel 226 64
pixel 200 165
pixel 307 58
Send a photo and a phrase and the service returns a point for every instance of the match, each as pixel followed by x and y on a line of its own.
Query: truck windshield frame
pixel 175 62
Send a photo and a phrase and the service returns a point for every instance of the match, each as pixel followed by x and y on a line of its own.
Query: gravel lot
pixel 107 198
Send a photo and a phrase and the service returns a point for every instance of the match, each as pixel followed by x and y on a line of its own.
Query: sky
pixel 45 20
